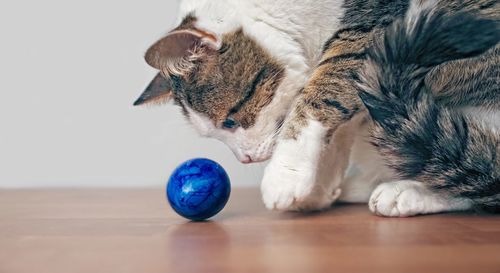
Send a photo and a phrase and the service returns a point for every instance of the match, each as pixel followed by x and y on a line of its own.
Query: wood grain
pixel 135 231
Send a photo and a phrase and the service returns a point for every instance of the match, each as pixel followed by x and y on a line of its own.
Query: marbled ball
pixel 198 189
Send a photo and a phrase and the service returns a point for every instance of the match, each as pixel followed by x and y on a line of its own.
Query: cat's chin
pixel 256 156
pixel 250 160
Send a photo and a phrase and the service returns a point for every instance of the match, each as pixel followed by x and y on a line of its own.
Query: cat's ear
pixel 175 53
pixel 158 91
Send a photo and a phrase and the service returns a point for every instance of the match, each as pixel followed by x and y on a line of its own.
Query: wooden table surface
pixel 135 231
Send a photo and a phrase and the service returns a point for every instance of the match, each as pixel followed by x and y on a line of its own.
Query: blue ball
pixel 198 189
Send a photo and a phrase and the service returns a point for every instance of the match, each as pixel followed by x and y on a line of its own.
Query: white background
pixel 69 72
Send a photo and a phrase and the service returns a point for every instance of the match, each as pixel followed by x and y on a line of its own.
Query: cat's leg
pixel 304 174
pixel 408 198
pixel 290 179
pixel 400 198
pixel 366 170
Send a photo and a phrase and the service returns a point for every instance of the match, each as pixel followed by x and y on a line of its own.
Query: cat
pixel 394 103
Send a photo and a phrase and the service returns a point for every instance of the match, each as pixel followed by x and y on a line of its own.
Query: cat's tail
pixel 421 140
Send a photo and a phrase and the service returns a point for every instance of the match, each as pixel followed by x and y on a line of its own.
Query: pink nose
pixel 246 159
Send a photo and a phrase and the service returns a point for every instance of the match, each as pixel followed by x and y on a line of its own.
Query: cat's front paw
pixel 293 188
pixel 409 198
pixel 396 199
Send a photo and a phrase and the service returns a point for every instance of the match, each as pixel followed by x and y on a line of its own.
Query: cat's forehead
pixel 238 80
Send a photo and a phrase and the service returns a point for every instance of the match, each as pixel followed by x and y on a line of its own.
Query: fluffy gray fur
pixel 423 136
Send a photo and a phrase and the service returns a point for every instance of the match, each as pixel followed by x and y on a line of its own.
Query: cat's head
pixel 228 86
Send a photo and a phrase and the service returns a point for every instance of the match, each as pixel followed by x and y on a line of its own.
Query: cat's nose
pixel 246 159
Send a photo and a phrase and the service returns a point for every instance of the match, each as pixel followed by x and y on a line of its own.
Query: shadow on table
pixel 193 245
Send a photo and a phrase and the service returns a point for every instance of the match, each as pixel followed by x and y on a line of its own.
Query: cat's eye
pixel 230 123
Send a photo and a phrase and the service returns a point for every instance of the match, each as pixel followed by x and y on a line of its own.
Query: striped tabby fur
pixel 419 136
